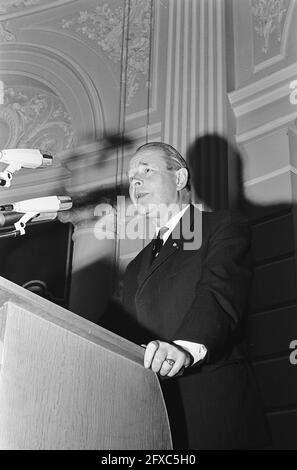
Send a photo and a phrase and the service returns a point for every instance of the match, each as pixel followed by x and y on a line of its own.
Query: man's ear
pixel 181 176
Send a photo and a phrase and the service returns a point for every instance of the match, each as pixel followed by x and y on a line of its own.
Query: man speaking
pixel 188 292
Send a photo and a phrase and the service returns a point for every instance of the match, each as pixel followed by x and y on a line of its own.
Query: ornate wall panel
pixel 264 38
pixel 13 6
pixel 34 118
pixel 102 27
pixel 270 20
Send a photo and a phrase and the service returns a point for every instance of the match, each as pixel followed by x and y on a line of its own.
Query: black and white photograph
pixel 148 228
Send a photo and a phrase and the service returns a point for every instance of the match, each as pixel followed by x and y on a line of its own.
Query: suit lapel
pixel 172 245
pixel 145 262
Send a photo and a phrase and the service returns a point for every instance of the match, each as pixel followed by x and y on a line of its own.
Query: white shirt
pixel 198 351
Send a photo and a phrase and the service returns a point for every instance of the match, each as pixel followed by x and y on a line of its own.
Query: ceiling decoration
pixel 103 27
pixel 34 118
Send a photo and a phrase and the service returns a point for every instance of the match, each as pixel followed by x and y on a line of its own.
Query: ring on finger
pixel 169 361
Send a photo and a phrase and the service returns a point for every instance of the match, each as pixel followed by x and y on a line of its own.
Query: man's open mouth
pixel 140 195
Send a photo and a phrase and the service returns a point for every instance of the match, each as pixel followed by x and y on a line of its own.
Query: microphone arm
pixel 38 209
pixel 15 159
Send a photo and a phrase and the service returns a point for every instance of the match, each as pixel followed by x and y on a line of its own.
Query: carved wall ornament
pixel 35 118
pixel 104 26
pixel 268 18
pixel 11 6
pixel 5 34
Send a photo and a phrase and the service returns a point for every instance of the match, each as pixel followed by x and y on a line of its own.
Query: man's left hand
pixel 167 359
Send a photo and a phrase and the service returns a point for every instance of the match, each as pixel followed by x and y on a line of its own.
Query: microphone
pixel 8 219
pixel 39 205
pixel 21 158
pixel 26 158
pixel 40 208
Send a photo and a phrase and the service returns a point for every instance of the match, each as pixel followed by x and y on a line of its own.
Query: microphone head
pixel 47 160
pixel 2 220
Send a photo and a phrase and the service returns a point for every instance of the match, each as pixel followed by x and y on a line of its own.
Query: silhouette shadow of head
pixel 207 158
pixel 217 178
pixel 216 169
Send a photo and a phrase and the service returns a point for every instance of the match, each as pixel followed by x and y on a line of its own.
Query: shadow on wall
pixel 271 224
pixel 272 318
pixel 214 185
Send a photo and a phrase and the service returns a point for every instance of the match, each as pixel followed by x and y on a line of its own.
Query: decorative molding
pixel 265 91
pixel 266 128
pixel 152 82
pixel 270 175
pixel 61 74
pixel 193 76
pixel 221 68
pixel 268 16
pixel 14 5
pixel 195 88
pixel 185 105
pixel 175 109
pixel 35 119
pixel 15 8
pixel 169 74
pixel 202 60
pixel 287 73
pixel 262 100
pixel 269 62
pixel 211 54
pixel 5 34
pixel 103 26
pixel 9 121
pixel 274 60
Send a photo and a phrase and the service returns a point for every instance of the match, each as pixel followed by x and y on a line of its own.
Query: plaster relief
pixel 12 6
pixel 34 118
pixel 268 19
pixel 5 34
pixel 103 27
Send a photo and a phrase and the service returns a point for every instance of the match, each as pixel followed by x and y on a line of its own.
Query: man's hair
pixel 174 160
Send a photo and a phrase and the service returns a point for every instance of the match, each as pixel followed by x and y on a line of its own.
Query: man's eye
pixel 148 170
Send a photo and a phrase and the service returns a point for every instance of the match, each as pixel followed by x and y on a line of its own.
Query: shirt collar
pixel 171 224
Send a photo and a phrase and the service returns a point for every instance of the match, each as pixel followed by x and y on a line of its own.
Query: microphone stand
pixel 19 226
pixel 10 234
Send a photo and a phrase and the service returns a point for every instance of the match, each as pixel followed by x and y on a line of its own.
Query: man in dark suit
pixel 189 300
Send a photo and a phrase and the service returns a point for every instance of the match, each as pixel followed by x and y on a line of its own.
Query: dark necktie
pixel 158 242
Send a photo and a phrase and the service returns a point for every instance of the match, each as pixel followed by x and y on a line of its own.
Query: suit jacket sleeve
pixel 221 295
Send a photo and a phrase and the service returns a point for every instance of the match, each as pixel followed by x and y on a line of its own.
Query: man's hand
pixel 167 359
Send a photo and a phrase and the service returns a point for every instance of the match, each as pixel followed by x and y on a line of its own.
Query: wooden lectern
pixel 66 383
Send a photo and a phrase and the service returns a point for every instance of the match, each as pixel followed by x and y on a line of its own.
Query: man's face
pixel 151 183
